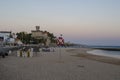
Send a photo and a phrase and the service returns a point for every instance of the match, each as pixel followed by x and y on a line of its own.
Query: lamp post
pixel 60 42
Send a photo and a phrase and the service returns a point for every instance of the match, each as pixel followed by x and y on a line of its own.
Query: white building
pixel 7 37
pixel 4 35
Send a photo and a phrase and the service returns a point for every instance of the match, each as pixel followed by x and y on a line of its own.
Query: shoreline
pixel 109 49
pixel 107 53
pixel 82 52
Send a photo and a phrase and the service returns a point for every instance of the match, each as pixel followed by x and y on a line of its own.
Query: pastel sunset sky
pixel 92 22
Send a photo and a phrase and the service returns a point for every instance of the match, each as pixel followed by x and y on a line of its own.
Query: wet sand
pixel 82 52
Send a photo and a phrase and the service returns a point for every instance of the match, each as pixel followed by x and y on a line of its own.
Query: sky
pixel 90 22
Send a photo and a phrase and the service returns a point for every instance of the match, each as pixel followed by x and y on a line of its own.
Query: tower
pixel 37 28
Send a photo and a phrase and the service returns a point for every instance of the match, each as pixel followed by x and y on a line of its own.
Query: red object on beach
pixel 60 41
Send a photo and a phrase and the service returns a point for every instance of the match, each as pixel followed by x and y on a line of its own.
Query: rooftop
pixel 5 31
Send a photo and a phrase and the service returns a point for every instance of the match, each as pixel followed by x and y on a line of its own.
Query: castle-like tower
pixel 37 28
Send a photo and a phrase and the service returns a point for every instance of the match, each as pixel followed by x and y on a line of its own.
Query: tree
pixel 52 37
pixel 27 38
pixel 24 37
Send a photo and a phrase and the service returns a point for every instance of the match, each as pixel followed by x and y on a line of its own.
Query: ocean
pixel 114 47
pixel 109 53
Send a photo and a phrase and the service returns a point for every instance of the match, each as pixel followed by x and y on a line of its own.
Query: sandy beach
pixel 83 53
pixel 74 64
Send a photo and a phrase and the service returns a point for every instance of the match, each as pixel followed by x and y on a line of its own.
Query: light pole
pixel 60 44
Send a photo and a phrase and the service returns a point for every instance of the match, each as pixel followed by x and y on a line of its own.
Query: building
pixel 7 37
pixel 4 35
pixel 37 34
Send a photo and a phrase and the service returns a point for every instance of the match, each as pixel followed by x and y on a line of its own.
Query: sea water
pixel 115 54
pixel 112 47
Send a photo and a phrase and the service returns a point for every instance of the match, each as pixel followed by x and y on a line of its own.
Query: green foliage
pixel 52 37
pixel 26 38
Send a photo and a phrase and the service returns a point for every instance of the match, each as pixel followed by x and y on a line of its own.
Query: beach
pixel 101 58
pixel 73 64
